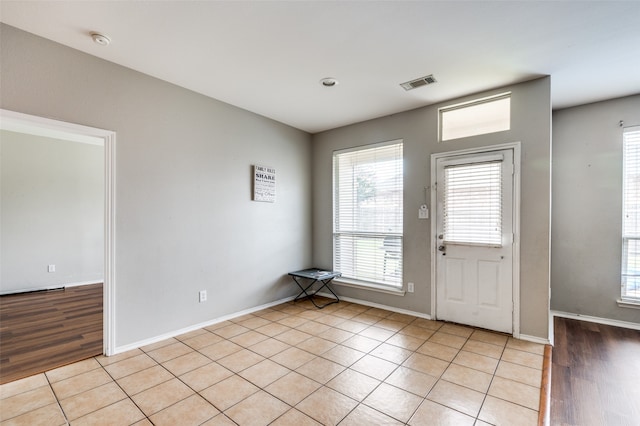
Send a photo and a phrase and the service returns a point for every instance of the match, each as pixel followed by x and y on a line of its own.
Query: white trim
pixel 515 146
pixel 551 330
pixel 23 123
pixel 368 146
pixel 78 284
pixel 628 304
pixel 535 339
pixel 175 333
pixel 107 138
pixel 368 286
pixel 51 287
pixel 478 101
pixel 378 305
pixel 516 239
pixel 458 160
pixel 466 104
pixel 34 289
pixel 109 288
pixel 598 320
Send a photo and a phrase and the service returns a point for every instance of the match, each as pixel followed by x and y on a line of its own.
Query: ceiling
pixel 269 56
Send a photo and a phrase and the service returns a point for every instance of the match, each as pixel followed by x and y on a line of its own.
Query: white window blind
pixel 473 203
pixel 631 214
pixel 367 202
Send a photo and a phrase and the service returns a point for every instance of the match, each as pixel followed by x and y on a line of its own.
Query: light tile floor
pixel 293 364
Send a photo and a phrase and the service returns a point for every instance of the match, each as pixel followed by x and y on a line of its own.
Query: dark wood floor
pixel 595 378
pixel 44 330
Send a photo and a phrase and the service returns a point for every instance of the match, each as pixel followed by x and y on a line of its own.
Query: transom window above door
pixel 477 117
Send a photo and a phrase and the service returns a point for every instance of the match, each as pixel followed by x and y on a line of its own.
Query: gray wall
pixel 531 124
pixel 587 208
pixel 51 212
pixel 184 216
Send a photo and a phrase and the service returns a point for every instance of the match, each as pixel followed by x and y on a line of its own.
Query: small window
pixel 474 118
pixel 631 215
pixel 367 214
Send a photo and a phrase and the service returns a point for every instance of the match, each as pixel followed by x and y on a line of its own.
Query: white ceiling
pixel 268 56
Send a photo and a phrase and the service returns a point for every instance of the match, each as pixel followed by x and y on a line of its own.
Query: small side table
pixel 315 275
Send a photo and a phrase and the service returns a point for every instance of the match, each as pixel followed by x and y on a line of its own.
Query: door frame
pixel 433 242
pixel 20 122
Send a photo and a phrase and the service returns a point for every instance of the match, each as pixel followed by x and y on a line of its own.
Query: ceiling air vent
pixel 418 82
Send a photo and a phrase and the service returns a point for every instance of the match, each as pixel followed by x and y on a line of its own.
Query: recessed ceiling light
pixel 329 82
pixel 101 39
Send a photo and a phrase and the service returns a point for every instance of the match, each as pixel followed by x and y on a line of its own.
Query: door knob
pixel 442 248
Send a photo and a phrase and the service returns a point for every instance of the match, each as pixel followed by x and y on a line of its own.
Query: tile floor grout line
pixel 235 373
pixel 450 363
pixel 493 376
pixel 130 397
pixel 55 395
pixel 369 394
pixel 183 382
pixel 120 387
pixel 325 385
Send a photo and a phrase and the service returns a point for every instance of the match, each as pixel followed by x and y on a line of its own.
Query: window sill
pixel 367 286
pixel 628 304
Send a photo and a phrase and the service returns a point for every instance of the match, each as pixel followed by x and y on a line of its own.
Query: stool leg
pixel 304 289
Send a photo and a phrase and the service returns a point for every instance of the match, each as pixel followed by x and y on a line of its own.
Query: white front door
pixel 474 240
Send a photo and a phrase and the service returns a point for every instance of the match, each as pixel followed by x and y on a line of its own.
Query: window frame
pixel 628 235
pixel 452 203
pixel 359 281
pixel 470 104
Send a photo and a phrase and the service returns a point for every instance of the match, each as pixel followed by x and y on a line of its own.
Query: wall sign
pixel 264 184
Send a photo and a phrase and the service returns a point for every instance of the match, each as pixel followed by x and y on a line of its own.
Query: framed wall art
pixel 264 184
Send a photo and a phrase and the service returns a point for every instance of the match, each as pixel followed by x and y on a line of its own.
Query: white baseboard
pixel 48 288
pixel 156 339
pixel 534 339
pixel 32 289
pixel 378 305
pixel 84 283
pixel 605 321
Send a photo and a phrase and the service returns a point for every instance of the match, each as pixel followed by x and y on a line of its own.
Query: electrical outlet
pixel 410 287
pixel 202 296
pixel 51 268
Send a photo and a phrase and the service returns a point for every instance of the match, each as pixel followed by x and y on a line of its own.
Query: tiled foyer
pixel 293 364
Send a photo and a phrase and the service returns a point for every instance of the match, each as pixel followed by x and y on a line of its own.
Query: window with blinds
pixel 631 214
pixel 367 215
pixel 473 203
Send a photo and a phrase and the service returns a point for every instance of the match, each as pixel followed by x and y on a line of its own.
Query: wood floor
pixel 43 330
pixel 595 374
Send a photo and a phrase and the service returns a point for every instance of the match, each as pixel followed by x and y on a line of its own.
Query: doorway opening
pixel 28 126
